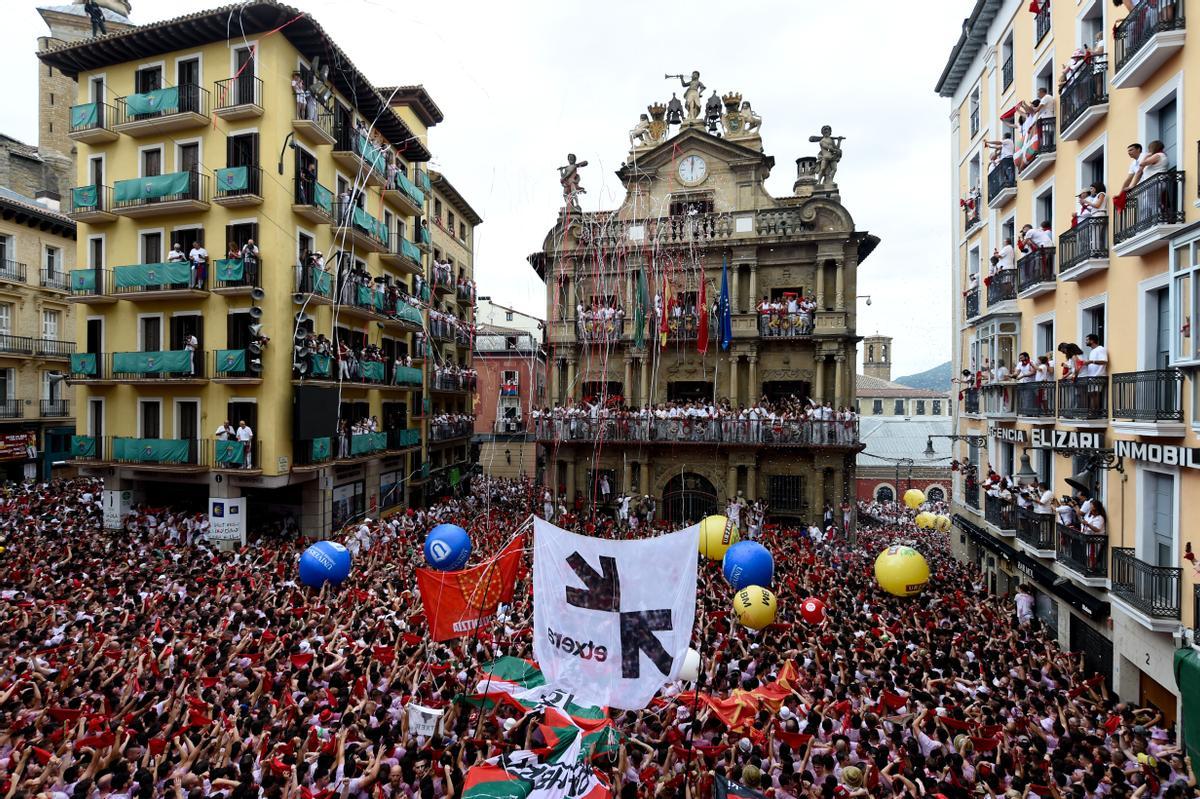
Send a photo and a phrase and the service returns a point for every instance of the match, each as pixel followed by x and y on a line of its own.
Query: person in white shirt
pixel 226 432
pixel 1042 237
pixel 1025 604
pixel 1046 103
pixel 1097 359
pixel 1004 256
pixel 199 260
pixel 190 345
pixel 1024 370
pixel 1044 504
pixel 176 256
pixel 246 436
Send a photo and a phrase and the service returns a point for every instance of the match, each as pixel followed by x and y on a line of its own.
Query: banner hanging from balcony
pixel 85 116
pixel 233 178
pixel 365 296
pixel 320 449
pixel 407 313
pixel 408 375
pixel 409 438
pixel 406 186
pixel 372 156
pixel 142 363
pixel 83 363
pixel 365 222
pixel 367 442
pixel 231 361
pixel 323 198
pixel 85 197
pixel 321 365
pixel 172 274
pixel 322 283
pixel 159 101
pixel 230 269
pixel 83 280
pixel 372 370
pixel 83 447
pixel 153 187
pixel 228 452
pixel 152 450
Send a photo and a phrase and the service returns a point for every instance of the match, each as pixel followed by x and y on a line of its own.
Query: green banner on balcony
pixel 323 198
pixel 423 180
pixel 372 370
pixel 409 188
pixel 151 450
pixel 410 438
pixel 158 101
pixel 83 447
pixel 228 452
pixel 230 269
pixel 408 376
pixel 150 363
pixel 424 292
pixel 173 274
pixel 362 444
pixel 407 313
pixel 83 280
pixel 83 363
pixel 365 295
pixel 153 187
pixel 372 156
pixel 232 178
pixel 365 222
pixel 85 116
pixel 320 365
pixel 422 235
pixel 231 361
pixel 409 250
pixel 85 197
pixel 320 449
pixel 322 283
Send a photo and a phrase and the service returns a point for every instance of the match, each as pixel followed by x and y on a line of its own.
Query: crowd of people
pixel 784 421
pixel 788 315
pixel 452 377
pixel 143 663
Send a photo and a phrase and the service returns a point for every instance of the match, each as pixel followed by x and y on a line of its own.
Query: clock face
pixel 693 170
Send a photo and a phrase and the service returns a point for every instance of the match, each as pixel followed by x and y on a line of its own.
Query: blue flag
pixel 723 307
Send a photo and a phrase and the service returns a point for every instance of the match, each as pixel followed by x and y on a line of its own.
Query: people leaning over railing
pixel 789 315
pixel 450 377
pixel 600 322
pixel 451 425
pixel 790 421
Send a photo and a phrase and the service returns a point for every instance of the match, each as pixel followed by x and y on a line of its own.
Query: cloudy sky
pixel 523 83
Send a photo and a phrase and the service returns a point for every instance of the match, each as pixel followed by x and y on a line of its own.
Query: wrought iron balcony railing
pixel 1156 591
pixel 1154 395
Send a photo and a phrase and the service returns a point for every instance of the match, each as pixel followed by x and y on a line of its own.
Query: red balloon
pixel 812 610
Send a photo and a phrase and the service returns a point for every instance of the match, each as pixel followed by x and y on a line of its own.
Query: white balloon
pixel 690 670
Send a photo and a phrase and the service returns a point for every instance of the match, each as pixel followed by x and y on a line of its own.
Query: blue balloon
pixel 447 547
pixel 748 563
pixel 324 562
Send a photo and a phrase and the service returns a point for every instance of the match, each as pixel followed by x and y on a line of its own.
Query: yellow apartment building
pixel 306 187
pixel 1120 268
pixel 37 251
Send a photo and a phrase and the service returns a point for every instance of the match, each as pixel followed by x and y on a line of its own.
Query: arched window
pixel 870 353
pixel 883 352
pixel 935 494
pixel 885 494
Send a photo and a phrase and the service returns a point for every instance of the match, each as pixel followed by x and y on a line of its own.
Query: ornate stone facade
pixel 696 200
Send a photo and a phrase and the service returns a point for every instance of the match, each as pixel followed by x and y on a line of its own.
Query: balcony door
pixel 151 333
pixel 149 419
pixel 243 412
pixel 151 163
pixel 187 420
pixel 95 335
pixel 1158 329
pixel 189 161
pixel 96 418
pixel 184 326
pixel 242 150
pixel 96 170
pixel 188 73
pixel 245 69
pixel 1158 536
pixel 1166 126
pixel 147 80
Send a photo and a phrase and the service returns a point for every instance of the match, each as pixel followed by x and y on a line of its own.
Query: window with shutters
pixel 50 326
pixel 898 410
pixel 877 407
pixel 6 318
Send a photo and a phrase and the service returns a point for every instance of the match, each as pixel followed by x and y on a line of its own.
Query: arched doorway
pixel 884 494
pixel 935 494
pixel 688 497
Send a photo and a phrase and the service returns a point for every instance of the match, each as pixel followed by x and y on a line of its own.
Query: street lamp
pixel 867 297
pixel 973 441
pixel 1092 460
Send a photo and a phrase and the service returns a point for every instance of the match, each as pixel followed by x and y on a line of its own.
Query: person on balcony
pixel 190 345
pixel 1024 370
pixel 249 255
pixel 1003 257
pixel 199 261
pixel 1001 149
pixel 1095 521
pixel 225 432
pixel 300 91
pixel 176 255
pixel 246 436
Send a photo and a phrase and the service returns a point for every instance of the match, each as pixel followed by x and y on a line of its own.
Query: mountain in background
pixel 935 379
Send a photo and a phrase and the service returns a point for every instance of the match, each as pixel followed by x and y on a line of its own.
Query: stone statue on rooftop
pixel 568 176
pixel 692 89
pixel 828 156
pixel 641 132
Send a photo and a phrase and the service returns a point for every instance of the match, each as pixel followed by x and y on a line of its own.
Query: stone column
pixel 819 379
pixel 752 482
pixel 839 371
pixel 840 297
pixel 733 290
pixel 753 391
pixel 731 483
pixel 733 378
pixel 556 380
pixel 626 387
pixel 570 392
pixel 644 388
pixel 820 286
pixel 753 286
pixel 627 476
pixel 570 493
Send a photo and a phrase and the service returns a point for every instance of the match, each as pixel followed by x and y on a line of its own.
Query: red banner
pixel 458 602
pixel 18 446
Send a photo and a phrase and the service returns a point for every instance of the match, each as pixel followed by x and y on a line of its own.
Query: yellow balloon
pixel 754 607
pixel 901 571
pixel 943 524
pixel 717 534
pixel 921 520
pixel 914 498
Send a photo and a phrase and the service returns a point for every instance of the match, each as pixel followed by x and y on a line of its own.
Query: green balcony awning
pixel 83 363
pixel 320 449
pixel 85 116
pixel 230 361
pixel 323 198
pixel 154 187
pixel 233 178
pixel 83 446
pixel 230 269
pixel 85 197
pixel 372 370
pixel 409 250
pixel 172 274
pixel 83 280
pixel 151 363
pixel 159 101
pixel 228 452
pixel 321 365
pixel 407 313
pixel 408 376
pixel 151 450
